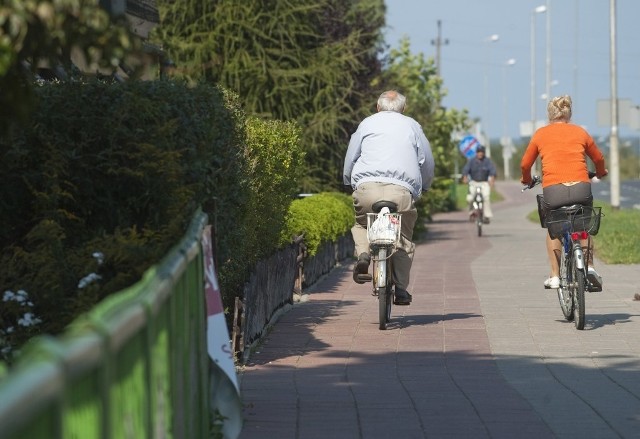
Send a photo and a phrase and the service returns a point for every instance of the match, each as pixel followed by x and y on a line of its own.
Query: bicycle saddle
pixel 378 205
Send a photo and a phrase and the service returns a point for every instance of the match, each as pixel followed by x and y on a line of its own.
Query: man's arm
pixel 425 160
pixel 353 152
pixel 465 171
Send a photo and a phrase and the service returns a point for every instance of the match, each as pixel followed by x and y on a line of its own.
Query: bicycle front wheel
pixel 385 298
pixel 578 295
pixel 565 297
pixel 479 222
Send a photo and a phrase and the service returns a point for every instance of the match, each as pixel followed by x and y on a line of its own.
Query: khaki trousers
pixel 363 198
pixel 486 195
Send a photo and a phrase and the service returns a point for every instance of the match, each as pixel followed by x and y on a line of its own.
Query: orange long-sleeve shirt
pixel 563 148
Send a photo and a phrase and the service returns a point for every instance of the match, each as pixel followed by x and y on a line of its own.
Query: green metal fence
pixel 134 367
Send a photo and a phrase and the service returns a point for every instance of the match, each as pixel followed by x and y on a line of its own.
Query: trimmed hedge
pixel 322 217
pixel 105 178
pixel 273 159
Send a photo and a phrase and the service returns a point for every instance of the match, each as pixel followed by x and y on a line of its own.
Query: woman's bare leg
pixel 553 252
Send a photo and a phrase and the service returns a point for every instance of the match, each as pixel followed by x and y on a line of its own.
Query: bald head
pixel 391 100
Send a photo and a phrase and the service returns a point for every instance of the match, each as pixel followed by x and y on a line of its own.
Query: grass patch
pixel 618 241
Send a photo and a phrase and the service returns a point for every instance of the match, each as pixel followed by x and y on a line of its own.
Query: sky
pixel 479 76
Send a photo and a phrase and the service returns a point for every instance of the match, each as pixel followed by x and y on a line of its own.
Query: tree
pixel 310 62
pixel 37 32
pixel 416 78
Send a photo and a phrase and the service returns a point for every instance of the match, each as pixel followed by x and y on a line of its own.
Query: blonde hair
pixel 559 109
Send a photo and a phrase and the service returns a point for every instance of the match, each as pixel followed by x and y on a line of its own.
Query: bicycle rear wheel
pixel 578 295
pixel 565 297
pixel 383 288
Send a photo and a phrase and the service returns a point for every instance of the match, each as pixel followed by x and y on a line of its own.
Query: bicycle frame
pixel 573 270
pixel 573 274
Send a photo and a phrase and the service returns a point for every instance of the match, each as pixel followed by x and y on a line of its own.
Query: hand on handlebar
pixel 593 175
pixel 534 182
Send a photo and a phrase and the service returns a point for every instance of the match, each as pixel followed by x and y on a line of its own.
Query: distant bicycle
pixel 476 212
pixel 383 232
pixel 573 224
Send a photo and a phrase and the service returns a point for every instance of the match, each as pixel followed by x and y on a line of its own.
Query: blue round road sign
pixel 468 146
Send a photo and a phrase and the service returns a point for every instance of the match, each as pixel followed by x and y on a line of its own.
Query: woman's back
pixel 563 148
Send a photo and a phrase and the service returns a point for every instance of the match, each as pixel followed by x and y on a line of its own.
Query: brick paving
pixel 482 352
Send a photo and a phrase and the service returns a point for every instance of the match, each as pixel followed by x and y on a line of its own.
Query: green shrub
pixel 322 217
pixel 104 181
pixel 273 158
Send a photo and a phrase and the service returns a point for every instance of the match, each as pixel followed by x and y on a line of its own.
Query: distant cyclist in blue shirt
pixel 479 171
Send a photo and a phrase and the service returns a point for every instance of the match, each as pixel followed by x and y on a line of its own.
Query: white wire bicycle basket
pixel 384 228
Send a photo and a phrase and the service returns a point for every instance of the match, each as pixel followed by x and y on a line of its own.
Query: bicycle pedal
pixel 365 277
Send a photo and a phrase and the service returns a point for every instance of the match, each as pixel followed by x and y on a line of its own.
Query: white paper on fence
pixel 383 228
pixel 225 392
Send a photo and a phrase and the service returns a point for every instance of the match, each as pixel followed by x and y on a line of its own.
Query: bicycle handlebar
pixel 536 180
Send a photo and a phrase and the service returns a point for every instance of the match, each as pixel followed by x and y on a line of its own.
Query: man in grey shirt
pixel 389 158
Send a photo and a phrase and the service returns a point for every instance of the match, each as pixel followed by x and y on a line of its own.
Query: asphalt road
pixel 629 193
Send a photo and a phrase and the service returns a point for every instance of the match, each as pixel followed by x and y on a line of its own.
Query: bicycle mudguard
pixel 579 256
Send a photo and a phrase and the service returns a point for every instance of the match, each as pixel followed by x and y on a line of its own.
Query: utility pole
pixel 439 42
pixel 548 56
pixel 614 158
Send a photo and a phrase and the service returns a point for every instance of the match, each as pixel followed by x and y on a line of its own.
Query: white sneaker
pixel 595 280
pixel 552 283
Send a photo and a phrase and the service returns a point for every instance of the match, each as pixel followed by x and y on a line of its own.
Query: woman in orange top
pixel 563 147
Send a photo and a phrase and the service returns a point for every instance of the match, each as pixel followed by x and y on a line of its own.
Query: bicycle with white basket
pixel 383 232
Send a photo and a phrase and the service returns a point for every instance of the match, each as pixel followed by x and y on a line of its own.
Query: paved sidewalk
pixel 482 352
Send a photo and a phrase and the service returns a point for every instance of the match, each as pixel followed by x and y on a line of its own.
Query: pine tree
pixel 310 62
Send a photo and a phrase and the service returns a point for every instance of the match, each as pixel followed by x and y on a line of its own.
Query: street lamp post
pixel 506 139
pixel 613 141
pixel 490 39
pixel 538 10
pixel 548 56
